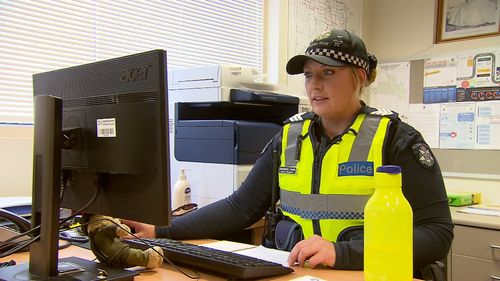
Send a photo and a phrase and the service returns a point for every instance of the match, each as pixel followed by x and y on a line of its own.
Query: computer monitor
pixel 100 124
pixel 116 111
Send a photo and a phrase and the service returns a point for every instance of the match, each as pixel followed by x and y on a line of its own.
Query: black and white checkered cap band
pixel 340 56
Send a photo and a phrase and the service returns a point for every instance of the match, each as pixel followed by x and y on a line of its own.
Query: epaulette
pixel 384 112
pixel 299 117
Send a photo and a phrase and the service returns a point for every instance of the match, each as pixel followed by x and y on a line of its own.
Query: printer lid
pixel 230 76
pixel 251 96
pixel 194 77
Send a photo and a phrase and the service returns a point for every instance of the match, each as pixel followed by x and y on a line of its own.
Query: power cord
pixel 20 244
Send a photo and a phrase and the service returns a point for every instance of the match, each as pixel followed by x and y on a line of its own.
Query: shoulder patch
pixel 424 155
pixel 299 117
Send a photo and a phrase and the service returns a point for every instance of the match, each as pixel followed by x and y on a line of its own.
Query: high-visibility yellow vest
pixel 344 172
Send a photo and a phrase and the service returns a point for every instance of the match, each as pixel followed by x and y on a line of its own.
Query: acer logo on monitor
pixel 135 73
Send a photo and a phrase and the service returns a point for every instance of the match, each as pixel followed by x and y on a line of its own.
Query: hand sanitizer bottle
pixel 181 194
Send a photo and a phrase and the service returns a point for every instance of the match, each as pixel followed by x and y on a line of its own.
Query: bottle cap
pixel 389 169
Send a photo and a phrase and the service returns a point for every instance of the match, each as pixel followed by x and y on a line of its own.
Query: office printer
pixel 220 120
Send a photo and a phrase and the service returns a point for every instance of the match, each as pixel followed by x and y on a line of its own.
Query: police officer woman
pixel 326 163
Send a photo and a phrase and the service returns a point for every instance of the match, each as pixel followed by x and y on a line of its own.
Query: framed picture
pixel 465 19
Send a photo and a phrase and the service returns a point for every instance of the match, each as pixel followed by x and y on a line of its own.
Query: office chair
pixel 434 272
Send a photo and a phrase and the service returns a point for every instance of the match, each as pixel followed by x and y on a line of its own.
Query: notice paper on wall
pixel 488 125
pixel 478 70
pixel 456 125
pixel 440 79
pixel 478 76
pixel 439 72
pixel 423 117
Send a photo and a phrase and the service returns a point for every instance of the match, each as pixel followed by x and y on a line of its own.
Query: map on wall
pixel 391 89
pixel 310 18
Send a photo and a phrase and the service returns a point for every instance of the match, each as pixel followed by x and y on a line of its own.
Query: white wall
pixel 401 30
pixel 394 30
pixel 16 158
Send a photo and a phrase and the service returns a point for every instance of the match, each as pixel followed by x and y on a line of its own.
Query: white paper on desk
pixel 481 210
pixel 267 254
pixel 228 246
pixel 308 278
pixel 425 118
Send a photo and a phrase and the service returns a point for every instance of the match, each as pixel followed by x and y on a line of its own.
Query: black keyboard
pixel 223 262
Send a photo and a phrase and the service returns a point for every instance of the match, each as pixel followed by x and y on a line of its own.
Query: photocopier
pixel 220 119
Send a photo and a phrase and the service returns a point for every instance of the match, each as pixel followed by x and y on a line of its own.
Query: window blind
pixel 43 35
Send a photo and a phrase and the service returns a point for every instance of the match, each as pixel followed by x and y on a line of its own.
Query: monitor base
pixel 75 269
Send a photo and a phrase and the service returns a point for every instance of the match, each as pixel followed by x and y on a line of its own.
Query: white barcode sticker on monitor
pixel 106 128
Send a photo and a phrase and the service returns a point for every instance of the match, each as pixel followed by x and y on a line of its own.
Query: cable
pixel 22 244
pixel 26 242
pixel 196 277
pixel 96 194
pixel 20 235
pixel 7 243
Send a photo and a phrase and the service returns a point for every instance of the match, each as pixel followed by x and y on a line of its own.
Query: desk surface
pixel 167 272
pixel 473 219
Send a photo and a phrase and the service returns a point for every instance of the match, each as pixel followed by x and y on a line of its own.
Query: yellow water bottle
pixel 388 234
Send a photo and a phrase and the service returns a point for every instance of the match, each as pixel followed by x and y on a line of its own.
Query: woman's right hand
pixel 141 230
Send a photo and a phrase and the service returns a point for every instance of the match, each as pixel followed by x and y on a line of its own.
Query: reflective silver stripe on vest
pixel 323 206
pixel 294 132
pixel 363 141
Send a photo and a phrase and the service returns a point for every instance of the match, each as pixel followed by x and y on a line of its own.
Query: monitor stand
pixel 44 263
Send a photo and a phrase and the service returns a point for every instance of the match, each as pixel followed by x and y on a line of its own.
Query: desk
pixel 167 272
pixel 474 252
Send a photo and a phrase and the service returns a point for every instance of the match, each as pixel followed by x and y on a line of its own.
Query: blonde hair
pixel 357 81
